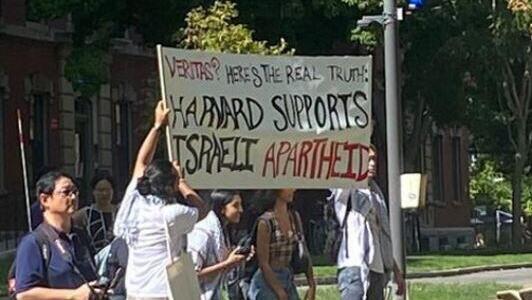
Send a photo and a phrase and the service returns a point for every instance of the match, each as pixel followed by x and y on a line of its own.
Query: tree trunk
pixel 415 138
pixel 517 182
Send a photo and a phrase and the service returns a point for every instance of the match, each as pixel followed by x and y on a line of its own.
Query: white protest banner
pixel 250 121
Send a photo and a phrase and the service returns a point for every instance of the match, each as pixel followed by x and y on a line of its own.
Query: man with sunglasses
pixel 61 266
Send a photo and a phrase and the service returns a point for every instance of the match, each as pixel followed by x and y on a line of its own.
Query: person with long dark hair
pixel 157 199
pixel 276 242
pixel 210 245
pixel 98 218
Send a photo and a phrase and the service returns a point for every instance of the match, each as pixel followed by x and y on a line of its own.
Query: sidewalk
pixel 331 280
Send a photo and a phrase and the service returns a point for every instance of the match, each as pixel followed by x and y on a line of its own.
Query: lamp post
pixel 389 21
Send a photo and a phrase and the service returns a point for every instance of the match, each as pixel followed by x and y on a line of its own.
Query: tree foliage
pixel 489 187
pixel 97 22
pixel 213 29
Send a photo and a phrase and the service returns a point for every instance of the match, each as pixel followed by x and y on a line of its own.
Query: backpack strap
pixel 52 238
pixel 44 246
pixel 271 225
pixel 344 224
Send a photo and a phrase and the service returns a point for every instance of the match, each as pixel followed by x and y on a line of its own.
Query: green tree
pixel 503 94
pixel 433 86
pixel 97 22
pixel 214 29
pixel 489 187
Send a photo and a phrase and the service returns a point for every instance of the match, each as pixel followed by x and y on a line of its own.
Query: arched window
pixel 83 147
pixel 2 143
pixel 39 131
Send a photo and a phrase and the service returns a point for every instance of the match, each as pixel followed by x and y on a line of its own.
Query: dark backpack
pixel 113 265
pixel 335 230
pixel 42 241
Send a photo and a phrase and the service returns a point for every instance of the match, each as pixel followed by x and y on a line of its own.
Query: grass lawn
pixel 445 262
pixel 423 291
pixel 4 267
pixel 426 263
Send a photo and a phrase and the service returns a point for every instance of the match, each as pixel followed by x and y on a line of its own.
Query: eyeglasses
pixel 67 192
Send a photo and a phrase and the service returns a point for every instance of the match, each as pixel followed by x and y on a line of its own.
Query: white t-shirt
pixel 359 236
pixel 141 222
pixel 208 246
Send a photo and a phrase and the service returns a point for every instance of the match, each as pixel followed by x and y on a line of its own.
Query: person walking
pixel 365 255
pixel 383 263
pixel 276 242
pixel 210 246
pixel 54 261
pixel 157 199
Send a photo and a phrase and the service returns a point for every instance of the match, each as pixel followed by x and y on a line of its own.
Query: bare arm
pixel 263 257
pixel 230 262
pixel 193 199
pixel 399 278
pixel 148 147
pixel 190 195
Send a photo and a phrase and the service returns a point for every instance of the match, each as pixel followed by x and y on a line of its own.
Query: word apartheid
pixel 317 158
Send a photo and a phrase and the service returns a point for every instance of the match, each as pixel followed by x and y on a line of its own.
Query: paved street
pixel 518 276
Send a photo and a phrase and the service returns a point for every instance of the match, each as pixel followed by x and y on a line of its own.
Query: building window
pixel 437 169
pixel 39 133
pixel 457 169
pixel 2 144
pixel 83 147
pixel 122 138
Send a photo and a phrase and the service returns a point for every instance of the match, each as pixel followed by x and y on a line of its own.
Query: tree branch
pixel 510 75
pixel 510 136
pixel 508 96
pixel 527 88
pixel 507 125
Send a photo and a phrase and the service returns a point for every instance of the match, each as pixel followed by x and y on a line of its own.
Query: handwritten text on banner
pixel 249 121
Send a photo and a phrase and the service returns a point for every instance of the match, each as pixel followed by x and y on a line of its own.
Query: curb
pixel 468 270
pixel 331 280
pixel 7 253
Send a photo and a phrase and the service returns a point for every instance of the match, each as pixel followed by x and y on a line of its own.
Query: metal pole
pixel 393 140
pixel 24 169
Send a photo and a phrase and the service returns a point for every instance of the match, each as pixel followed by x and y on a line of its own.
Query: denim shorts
pixel 350 284
pixel 260 290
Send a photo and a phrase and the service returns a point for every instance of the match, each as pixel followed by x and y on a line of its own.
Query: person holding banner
pixel 210 245
pixel 365 258
pixel 158 209
pixel 276 243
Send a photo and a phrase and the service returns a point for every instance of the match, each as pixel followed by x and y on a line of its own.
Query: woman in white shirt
pixel 210 246
pixel 156 198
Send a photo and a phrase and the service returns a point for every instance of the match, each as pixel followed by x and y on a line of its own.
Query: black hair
pixel 264 200
pixel 220 198
pixel 100 175
pixel 46 184
pixel 43 170
pixel 158 180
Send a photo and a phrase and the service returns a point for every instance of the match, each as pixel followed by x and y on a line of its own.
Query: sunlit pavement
pixel 517 277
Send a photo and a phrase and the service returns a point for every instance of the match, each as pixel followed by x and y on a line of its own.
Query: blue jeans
pixel 260 290
pixel 350 284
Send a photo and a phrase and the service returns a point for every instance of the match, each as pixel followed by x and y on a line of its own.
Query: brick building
pixel 78 134
pixel 61 128
pixel 445 222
